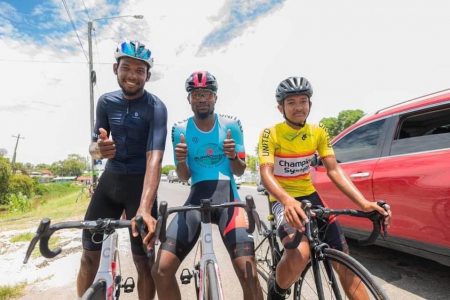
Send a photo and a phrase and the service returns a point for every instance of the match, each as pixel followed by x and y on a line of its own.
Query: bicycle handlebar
pixel 45 231
pixel 376 218
pixel 164 212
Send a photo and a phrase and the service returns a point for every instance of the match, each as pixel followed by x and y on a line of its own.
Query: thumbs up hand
pixel 106 146
pixel 229 146
pixel 181 150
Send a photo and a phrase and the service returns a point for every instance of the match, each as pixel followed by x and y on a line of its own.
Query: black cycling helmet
pixel 293 85
pixel 201 80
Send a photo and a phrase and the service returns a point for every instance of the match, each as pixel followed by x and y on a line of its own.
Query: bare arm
pixel 344 183
pixel 104 147
pixel 229 148
pixel 183 171
pixel 238 166
pixel 181 152
pixel 151 180
pixel 292 210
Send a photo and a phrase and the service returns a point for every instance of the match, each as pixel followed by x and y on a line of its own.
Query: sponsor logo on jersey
pixel 292 166
pixel 209 155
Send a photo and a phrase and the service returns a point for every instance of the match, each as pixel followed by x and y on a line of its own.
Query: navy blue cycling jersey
pixel 136 126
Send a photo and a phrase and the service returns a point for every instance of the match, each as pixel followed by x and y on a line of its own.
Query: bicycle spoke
pixel 350 279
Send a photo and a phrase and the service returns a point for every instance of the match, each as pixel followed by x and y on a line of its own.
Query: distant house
pixel 42 177
pixel 64 178
pixel 84 179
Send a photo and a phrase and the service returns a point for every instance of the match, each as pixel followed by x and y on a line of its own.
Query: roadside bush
pixel 19 183
pixel 5 173
pixel 40 189
pixel 18 203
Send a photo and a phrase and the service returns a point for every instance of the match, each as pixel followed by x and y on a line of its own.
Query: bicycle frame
pixel 207 254
pixel 108 266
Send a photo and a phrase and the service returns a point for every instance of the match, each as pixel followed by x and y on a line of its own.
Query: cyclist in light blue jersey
pixel 209 149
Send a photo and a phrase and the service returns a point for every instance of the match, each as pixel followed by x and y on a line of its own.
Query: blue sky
pixel 357 55
pixel 39 20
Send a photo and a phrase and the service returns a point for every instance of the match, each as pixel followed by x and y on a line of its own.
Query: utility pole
pixel 92 80
pixel 15 151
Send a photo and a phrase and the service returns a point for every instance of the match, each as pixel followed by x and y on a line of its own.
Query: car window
pixel 361 143
pixel 423 131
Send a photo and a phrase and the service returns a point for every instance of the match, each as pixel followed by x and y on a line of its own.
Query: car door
pixel 357 152
pixel 414 177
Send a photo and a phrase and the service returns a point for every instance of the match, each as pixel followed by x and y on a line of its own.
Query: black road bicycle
pixel 319 280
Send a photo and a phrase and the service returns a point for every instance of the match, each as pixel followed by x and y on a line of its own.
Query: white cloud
pixel 357 55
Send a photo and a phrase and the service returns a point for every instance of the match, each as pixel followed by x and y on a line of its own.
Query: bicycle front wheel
pixel 267 254
pixel 341 276
pixel 212 288
pixel 97 291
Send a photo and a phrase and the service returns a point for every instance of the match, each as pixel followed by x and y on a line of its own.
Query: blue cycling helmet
pixel 136 50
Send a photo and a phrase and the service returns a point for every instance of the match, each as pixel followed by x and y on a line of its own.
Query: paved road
pixel 403 276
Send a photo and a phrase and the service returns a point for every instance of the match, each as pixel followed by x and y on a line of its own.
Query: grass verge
pixel 62 202
pixel 12 291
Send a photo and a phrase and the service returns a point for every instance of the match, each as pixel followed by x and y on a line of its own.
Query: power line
pixel 50 62
pixel 86 10
pixel 73 26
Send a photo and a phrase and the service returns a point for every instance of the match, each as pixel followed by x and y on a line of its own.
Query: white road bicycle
pixel 206 269
pixel 108 280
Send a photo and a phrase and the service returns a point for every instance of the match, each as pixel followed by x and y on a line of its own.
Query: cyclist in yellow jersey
pixel 285 152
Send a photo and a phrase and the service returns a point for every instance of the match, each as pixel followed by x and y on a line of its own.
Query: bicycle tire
pixel 305 287
pixel 211 284
pixel 97 291
pixel 267 254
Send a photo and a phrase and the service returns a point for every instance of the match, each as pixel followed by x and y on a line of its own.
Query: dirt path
pixel 51 278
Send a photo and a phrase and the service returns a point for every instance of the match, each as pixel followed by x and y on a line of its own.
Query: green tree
pixel 40 167
pixel 345 118
pixel 251 162
pixel 19 183
pixel 167 168
pixel 5 174
pixel 74 165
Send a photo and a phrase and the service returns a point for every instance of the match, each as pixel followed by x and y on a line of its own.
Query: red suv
pixel 400 154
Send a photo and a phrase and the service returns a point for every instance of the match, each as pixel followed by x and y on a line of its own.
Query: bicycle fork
pixel 316 258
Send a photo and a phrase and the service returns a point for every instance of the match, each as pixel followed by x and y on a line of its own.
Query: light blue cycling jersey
pixel 206 159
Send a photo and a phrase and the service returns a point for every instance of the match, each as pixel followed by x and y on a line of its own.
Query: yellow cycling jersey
pixel 290 151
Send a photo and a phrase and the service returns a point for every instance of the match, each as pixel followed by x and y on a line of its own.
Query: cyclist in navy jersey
pixel 130 131
pixel 209 149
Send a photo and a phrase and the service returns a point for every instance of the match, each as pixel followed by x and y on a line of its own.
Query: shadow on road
pixel 422 277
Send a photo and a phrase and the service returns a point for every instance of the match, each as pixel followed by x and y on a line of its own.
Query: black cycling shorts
pixel 329 232
pixel 114 194
pixel 184 229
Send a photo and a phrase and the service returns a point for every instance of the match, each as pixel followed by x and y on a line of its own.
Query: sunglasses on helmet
pixel 129 48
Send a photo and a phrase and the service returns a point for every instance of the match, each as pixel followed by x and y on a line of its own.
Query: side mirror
pixel 316 161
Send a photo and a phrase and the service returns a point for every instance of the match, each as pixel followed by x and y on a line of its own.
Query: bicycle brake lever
pixel 143 232
pixel 385 206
